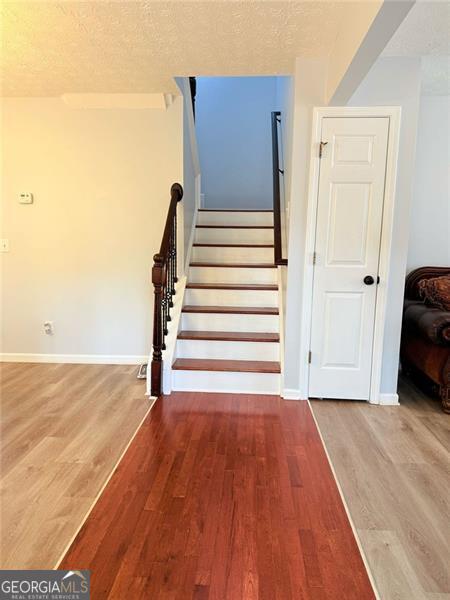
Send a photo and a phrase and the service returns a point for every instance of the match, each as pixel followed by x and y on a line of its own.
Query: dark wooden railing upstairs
pixel 164 277
pixel 277 172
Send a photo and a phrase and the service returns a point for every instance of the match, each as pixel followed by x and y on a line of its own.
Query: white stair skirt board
pixel 229 322
pixel 227 350
pixel 228 235
pixel 208 297
pixel 227 382
pixel 232 275
pixel 232 254
pixel 188 256
pixel 235 218
pixel 171 338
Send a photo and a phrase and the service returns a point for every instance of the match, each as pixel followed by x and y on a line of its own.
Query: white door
pixel 348 232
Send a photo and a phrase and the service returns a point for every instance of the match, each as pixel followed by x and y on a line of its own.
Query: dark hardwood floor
pixel 222 497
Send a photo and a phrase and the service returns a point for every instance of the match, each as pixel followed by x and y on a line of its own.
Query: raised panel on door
pixel 348 233
pixel 347 237
pixel 342 319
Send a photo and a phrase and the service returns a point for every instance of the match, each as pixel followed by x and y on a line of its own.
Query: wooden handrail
pixel 164 277
pixel 278 247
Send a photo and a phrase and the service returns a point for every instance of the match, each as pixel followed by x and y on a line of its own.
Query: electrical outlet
pixel 48 327
pixel 26 198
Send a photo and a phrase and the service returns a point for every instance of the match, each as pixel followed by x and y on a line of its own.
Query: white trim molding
pixel 88 359
pixel 169 354
pixel 288 394
pixel 393 113
pixel 388 400
pixel 194 224
pixel 281 315
pixel 118 101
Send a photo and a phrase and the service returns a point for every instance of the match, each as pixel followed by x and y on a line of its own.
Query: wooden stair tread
pixel 208 245
pixel 241 366
pixel 236 265
pixel 214 226
pixel 229 336
pixel 236 310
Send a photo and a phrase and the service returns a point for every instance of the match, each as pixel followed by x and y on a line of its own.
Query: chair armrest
pixel 432 323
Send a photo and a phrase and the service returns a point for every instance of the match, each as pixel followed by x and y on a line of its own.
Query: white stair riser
pixel 229 322
pixel 235 218
pixel 233 236
pixel 225 350
pixel 232 255
pixel 231 275
pixel 207 297
pixel 227 382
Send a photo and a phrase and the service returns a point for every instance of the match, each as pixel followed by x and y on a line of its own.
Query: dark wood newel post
pixel 157 280
pixel 163 279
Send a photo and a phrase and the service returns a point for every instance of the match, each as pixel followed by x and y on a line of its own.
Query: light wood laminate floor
pixel 393 465
pixel 63 428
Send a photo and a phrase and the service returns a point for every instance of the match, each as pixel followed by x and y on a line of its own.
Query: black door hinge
pixel 321 147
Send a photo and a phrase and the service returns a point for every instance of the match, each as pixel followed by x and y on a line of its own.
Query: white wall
pixel 285 104
pixel 80 256
pixel 429 238
pixel 396 82
pixel 366 28
pixel 191 166
pixel 357 18
pixel 309 91
pixel 189 175
pixel 234 140
pixel 390 82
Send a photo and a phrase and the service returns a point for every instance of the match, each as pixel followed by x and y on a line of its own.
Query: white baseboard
pixel 388 400
pixel 292 395
pixel 88 359
pixel 384 399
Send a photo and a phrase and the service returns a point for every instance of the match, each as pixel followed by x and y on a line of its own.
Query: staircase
pixel 229 335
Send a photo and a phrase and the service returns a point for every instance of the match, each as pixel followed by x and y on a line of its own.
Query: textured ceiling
pixel 425 33
pixel 51 48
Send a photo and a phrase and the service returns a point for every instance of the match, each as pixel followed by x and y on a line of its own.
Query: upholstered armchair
pixel 425 346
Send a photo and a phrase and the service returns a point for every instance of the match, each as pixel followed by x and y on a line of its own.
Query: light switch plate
pixel 26 198
pixel 4 245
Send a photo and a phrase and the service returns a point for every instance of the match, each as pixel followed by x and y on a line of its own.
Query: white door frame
pixel 394 114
